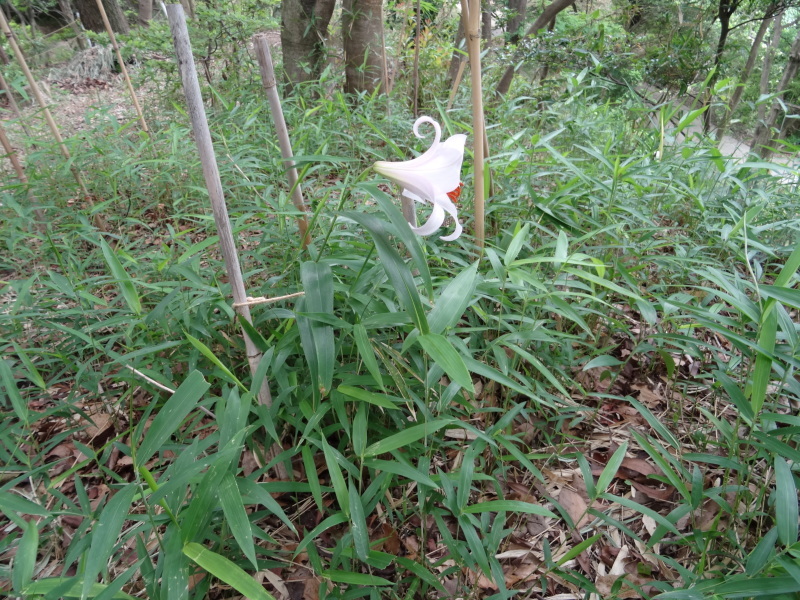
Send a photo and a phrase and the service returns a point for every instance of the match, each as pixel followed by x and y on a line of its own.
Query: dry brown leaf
pixel 576 506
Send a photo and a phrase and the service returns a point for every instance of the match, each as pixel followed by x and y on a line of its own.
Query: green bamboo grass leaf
pixel 423 573
pixel 354 578
pixel 67 589
pixel 13 503
pixel 407 436
pixel 602 361
pixel 762 552
pixel 737 396
pixel 661 520
pixel 367 354
pixel 786 509
pixel 256 493
pixel 445 355
pixel 763 368
pixel 105 535
pixel 397 271
pixel 611 468
pixel 25 559
pixel 760 586
pixel 358 523
pixel 514 247
pixel 312 476
pixel 453 300
pixel 610 285
pixel 11 392
pixel 537 364
pixel 126 284
pixel 227 571
pixel 410 239
pixel 206 351
pixel 382 400
pixel 337 478
pixel 575 551
pixel 230 498
pixel 326 524
pixel 509 506
pixel 318 338
pixel 33 372
pixel 171 415
pixel 401 469
pixel 562 250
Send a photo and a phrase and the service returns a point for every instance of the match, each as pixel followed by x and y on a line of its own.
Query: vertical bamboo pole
pixel 122 67
pixel 15 162
pixel 205 147
pixel 46 112
pixel 472 9
pixel 4 87
pixel 261 45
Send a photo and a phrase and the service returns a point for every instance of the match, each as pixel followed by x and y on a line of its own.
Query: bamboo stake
pixel 205 147
pixel 122 67
pixel 15 162
pixel 472 10
pixel 47 116
pixel 264 57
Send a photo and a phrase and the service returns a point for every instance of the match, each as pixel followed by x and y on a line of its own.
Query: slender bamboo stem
pixel 472 9
pixel 123 68
pixel 261 45
pixel 416 59
pixel 20 171
pixel 37 94
pixel 205 147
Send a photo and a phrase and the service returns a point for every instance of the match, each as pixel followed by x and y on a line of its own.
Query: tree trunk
pixel 548 14
pixel 304 29
pixel 459 55
pixel 546 68
pixel 486 22
pixel 763 88
pixel 363 46
pixel 66 11
pixel 748 68
pixel 516 9
pixel 91 19
pixel 145 13
pixel 724 14
pixel 763 135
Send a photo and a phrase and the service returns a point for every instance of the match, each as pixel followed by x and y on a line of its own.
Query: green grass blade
pixel 126 284
pixel 227 571
pixel 230 498
pixel 407 436
pixel 171 415
pixel 786 509
pixel 105 535
pixel 509 506
pixel 445 355
pixel 25 559
pixel 358 523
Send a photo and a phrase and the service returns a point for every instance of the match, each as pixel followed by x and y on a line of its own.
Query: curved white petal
pixel 433 224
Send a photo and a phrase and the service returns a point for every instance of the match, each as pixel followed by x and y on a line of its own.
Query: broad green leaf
pixel 337 479
pixel 453 300
pixel 11 391
pixel 509 506
pixel 206 351
pixel 786 509
pixel 227 571
pixel 126 285
pixel 602 361
pixel 171 415
pixel 25 559
pixel 381 400
pixel 43 587
pixel 577 549
pixel 358 523
pixel 610 470
pixel 398 272
pixel 761 553
pixel 401 469
pixel 445 355
pixel 366 353
pixel 355 578
pixel 514 247
pixel 105 535
pixel 14 503
pixel 236 516
pixel 259 494
pixel 406 437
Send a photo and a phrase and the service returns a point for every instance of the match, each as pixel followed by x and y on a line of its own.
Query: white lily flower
pixel 432 178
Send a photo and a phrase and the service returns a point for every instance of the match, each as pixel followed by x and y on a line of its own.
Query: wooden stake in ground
pixel 202 135
pixel 261 45
pixel 46 112
pixel 122 67
pixel 472 10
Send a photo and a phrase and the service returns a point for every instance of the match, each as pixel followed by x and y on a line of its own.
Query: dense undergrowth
pixel 608 390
